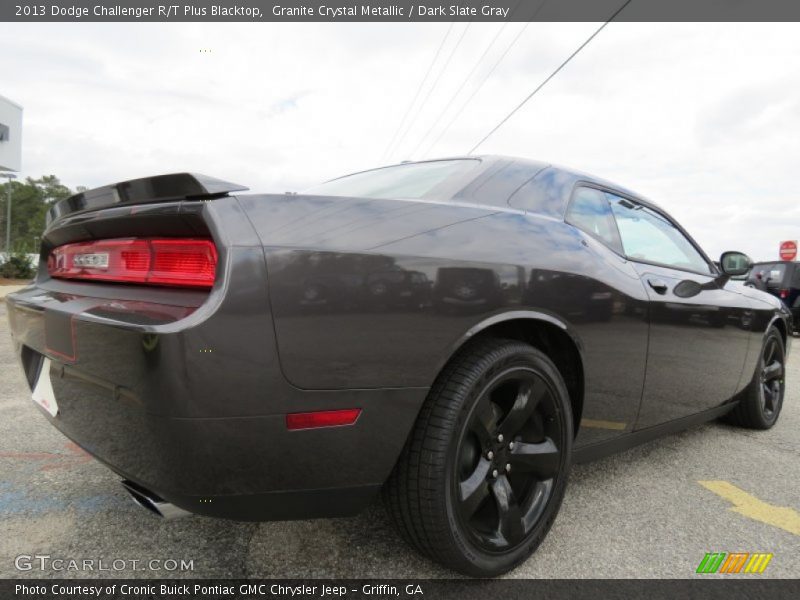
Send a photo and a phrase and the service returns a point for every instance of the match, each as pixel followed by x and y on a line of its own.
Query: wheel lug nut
pixel 494 473
pixel 500 437
pixel 490 455
pixel 508 467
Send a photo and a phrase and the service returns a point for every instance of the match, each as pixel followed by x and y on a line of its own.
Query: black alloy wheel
pixel 508 459
pixel 482 476
pixel 760 403
pixel 772 377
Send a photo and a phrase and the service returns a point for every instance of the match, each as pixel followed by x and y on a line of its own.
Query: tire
pixel 497 403
pixel 760 404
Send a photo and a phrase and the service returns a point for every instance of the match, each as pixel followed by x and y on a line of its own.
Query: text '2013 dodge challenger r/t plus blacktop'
pixel 453 333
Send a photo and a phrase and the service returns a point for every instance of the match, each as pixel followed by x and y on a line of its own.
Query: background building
pixel 10 159
pixel 10 135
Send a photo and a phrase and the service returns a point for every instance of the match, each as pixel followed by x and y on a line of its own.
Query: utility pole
pixel 8 176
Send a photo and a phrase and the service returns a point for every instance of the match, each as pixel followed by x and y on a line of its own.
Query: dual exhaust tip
pixel 152 502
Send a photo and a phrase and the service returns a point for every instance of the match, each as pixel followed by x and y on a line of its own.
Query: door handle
pixel 659 287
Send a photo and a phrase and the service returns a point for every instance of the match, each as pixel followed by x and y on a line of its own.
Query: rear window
pixel 775 274
pixel 411 180
pixel 768 274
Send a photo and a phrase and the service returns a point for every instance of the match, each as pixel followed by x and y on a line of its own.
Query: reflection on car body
pixel 466 290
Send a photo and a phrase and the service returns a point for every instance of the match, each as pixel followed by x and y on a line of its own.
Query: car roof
pixel 493 160
pixel 493 163
pixel 557 182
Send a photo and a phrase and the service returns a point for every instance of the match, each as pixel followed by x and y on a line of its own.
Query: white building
pixel 10 135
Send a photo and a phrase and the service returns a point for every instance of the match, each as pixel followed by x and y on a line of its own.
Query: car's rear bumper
pixel 183 395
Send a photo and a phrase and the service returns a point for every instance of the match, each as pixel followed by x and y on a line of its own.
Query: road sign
pixel 788 250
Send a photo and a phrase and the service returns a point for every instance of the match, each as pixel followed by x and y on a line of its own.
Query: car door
pixel 605 303
pixel 699 324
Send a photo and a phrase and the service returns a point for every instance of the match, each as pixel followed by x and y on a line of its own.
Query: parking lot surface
pixel 653 511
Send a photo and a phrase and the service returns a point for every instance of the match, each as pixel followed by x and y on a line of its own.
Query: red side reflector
pixel 322 418
pixel 178 262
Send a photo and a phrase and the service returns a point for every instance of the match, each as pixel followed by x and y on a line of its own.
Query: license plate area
pixel 43 389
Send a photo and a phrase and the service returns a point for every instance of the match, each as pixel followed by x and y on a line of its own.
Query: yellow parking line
pixel 783 517
pixel 599 424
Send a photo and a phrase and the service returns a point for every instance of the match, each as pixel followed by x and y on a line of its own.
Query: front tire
pixel 482 476
pixel 761 403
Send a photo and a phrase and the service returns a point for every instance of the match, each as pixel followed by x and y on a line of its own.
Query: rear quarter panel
pixel 472 265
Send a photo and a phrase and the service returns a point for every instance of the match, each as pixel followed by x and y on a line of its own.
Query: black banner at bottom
pixel 360 589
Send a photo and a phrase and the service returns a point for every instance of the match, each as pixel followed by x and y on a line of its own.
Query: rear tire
pixel 761 403
pixel 483 473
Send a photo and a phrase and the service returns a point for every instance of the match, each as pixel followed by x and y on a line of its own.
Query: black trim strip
pixel 625 442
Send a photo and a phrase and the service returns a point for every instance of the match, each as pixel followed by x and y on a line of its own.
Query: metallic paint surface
pixel 324 303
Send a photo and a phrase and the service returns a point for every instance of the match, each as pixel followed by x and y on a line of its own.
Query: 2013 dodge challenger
pixel 452 333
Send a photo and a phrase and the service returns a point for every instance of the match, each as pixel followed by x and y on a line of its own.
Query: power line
pixel 469 76
pixel 485 78
pixel 553 74
pixel 478 88
pixel 461 87
pixel 419 89
pixel 434 85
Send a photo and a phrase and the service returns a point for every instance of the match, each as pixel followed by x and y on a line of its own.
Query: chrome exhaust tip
pixel 152 502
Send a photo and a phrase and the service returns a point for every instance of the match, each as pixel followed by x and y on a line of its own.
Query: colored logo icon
pixel 734 562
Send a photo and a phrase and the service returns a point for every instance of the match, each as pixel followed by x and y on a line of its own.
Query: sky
pixel 703 119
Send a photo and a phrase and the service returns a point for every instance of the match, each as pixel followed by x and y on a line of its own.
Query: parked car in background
pixel 466 290
pixel 782 280
pixel 397 289
pixel 451 334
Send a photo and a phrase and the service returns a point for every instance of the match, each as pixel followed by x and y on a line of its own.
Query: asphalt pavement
pixel 653 511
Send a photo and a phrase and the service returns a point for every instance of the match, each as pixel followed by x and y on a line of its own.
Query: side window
pixel 590 212
pixel 759 274
pixel 650 237
pixel 775 274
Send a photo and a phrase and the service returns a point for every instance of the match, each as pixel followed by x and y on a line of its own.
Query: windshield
pixel 411 180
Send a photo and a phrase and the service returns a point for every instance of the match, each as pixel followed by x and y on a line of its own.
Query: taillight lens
pixel 170 261
pixel 784 294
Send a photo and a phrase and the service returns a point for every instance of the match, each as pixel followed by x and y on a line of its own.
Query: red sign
pixel 788 250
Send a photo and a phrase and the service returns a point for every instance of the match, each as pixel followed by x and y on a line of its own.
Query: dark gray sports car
pixel 452 332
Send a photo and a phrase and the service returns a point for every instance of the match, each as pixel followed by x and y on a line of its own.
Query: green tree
pixel 30 201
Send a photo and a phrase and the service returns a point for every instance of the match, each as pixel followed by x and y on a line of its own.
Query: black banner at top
pixel 398 10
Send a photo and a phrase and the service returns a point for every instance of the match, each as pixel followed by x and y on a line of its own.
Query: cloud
pixel 703 119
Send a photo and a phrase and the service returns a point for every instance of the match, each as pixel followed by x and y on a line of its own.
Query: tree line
pixel 30 201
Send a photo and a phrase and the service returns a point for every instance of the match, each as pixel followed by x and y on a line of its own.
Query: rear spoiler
pixel 161 188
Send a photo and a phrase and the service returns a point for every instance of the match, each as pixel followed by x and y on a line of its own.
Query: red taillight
pixel 322 418
pixel 178 262
pixel 784 294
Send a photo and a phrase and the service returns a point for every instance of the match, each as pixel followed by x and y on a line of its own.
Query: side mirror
pixel 734 264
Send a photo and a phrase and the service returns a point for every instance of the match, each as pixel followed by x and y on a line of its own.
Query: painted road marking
pixel 751 507
pixel 599 424
pixel 75 456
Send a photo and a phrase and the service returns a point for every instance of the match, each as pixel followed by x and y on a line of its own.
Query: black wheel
pixel 484 471
pixel 760 404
